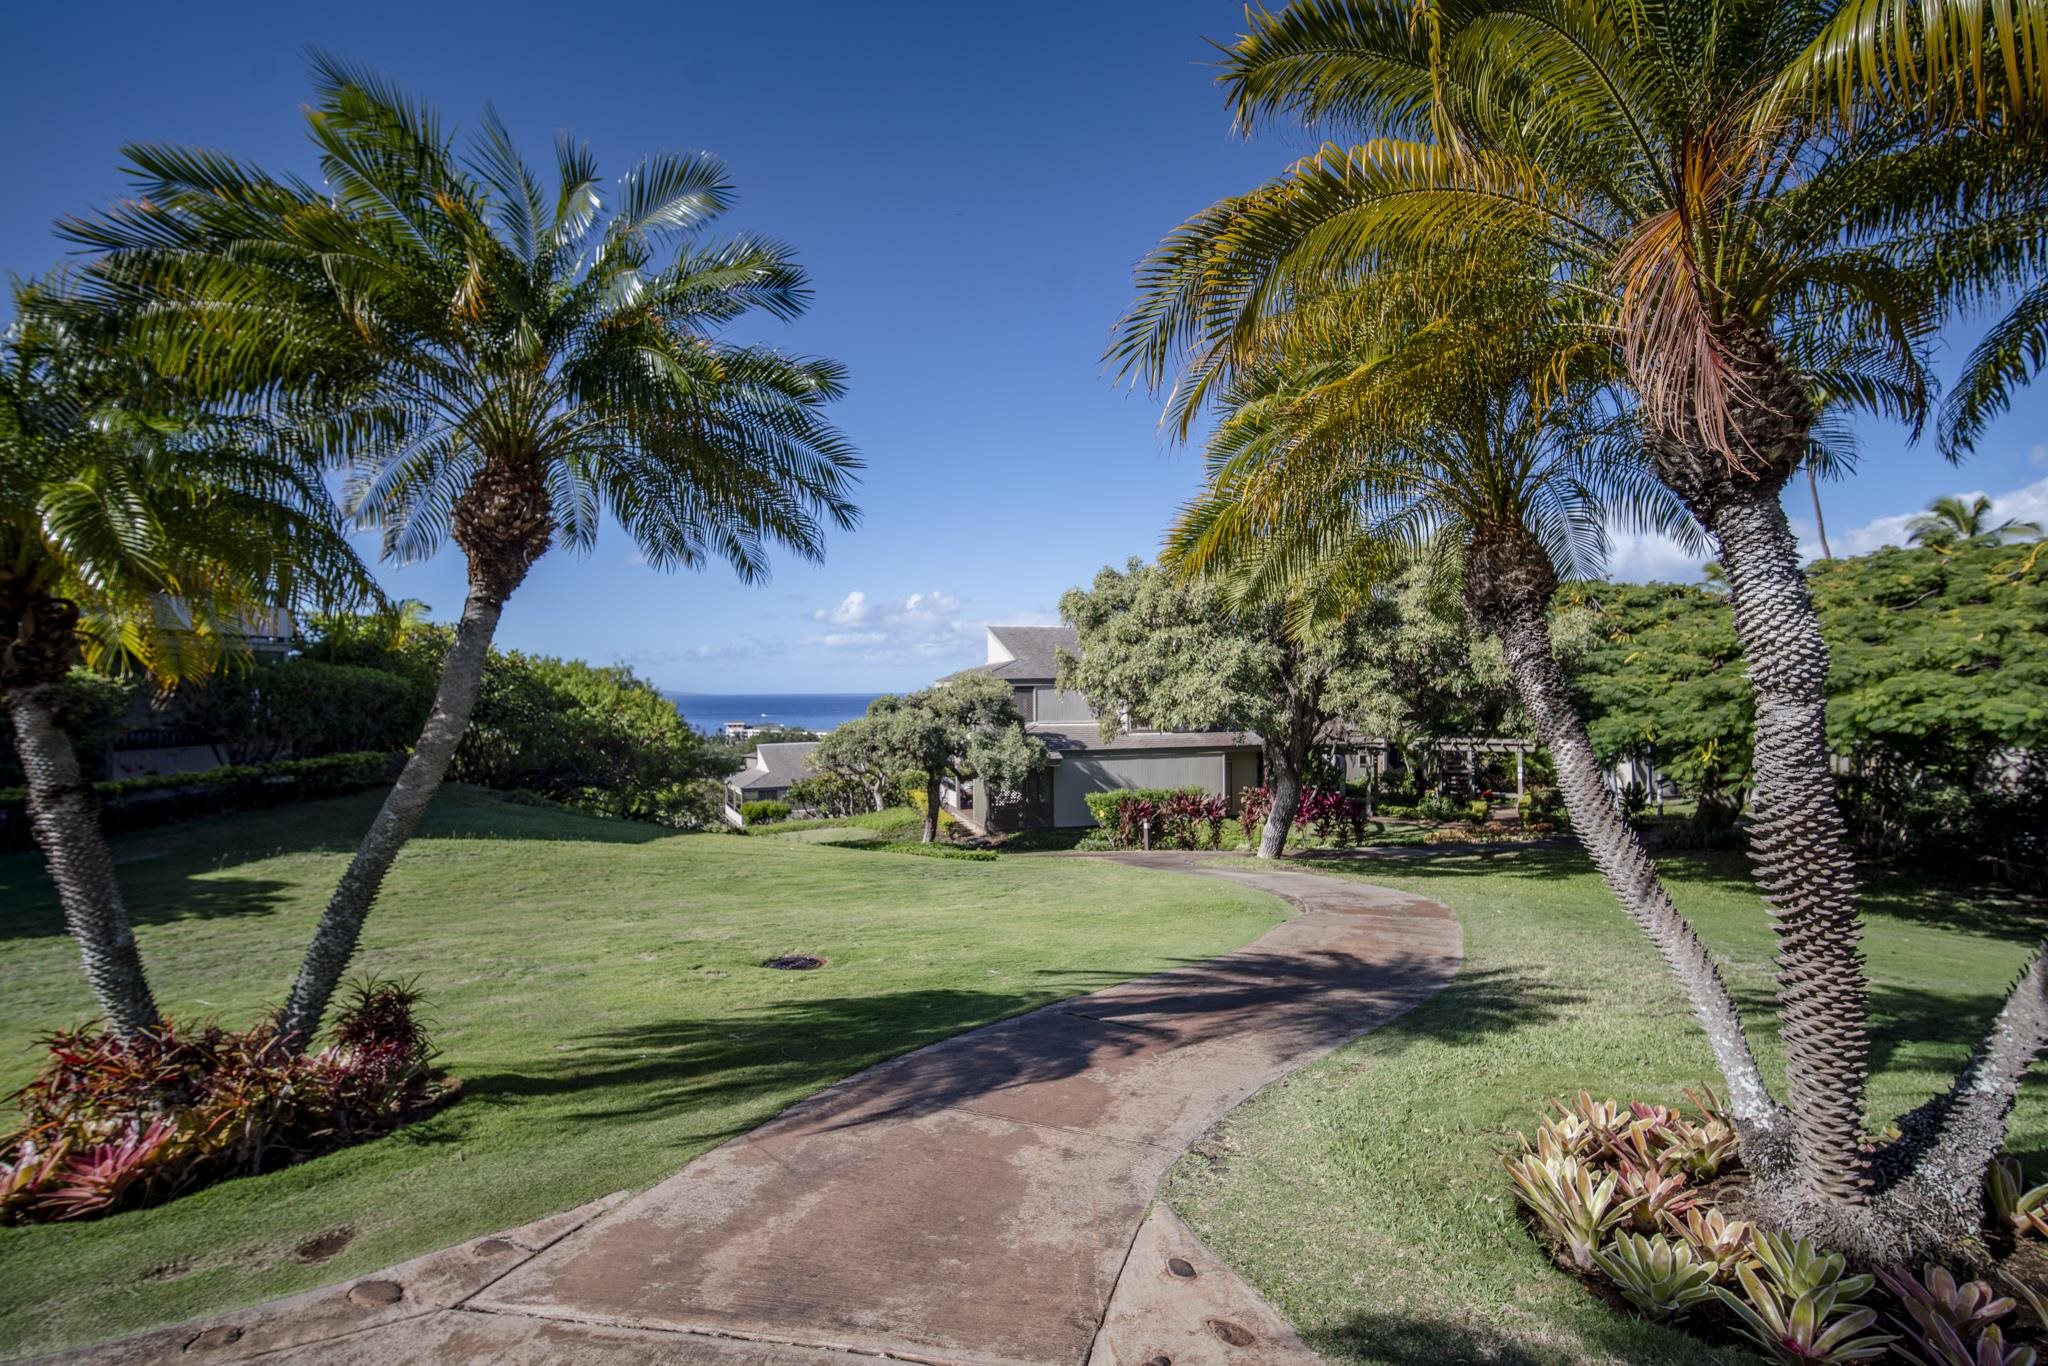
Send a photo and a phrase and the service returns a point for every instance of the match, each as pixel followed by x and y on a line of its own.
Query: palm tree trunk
pixel 66 817
pixel 1799 842
pixel 341 926
pixel 1286 793
pixel 1820 523
pixel 1618 852
pixel 1952 1141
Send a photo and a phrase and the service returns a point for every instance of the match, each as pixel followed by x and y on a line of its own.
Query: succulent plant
pixel 1715 1239
pixel 1952 1324
pixel 2023 1208
pixel 1703 1149
pixel 1813 1327
pixel 1655 1195
pixel 1797 1267
pixel 1577 1204
pixel 1660 1277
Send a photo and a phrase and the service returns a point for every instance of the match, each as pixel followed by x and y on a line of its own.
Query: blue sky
pixel 969 187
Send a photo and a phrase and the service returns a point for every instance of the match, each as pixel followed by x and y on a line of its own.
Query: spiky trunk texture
pixel 1509 586
pixel 503 524
pixel 1285 789
pixel 66 817
pixel 1798 840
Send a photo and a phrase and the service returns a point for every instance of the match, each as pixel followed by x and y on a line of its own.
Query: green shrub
pixel 1438 807
pixel 952 851
pixel 142 803
pixel 1478 811
pixel 764 813
pixel 306 708
pixel 91 710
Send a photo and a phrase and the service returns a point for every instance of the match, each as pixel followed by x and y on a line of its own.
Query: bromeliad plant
pixel 113 1123
pixel 1606 1184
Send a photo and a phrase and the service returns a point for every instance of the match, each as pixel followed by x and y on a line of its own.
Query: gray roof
pixel 1075 737
pixel 787 765
pixel 1033 647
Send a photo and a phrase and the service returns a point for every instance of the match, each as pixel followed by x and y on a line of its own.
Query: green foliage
pixel 945 851
pixel 600 739
pixel 306 707
pixel 574 346
pixel 141 803
pixel 1660 1277
pixel 1939 667
pixel 91 707
pixel 764 813
pixel 2022 1207
pixel 1543 806
pixel 965 727
pixel 1798 1304
pixel 830 794
pixel 1577 1203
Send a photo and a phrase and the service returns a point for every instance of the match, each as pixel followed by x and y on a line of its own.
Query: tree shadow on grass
pixel 181 871
pixel 1432 1340
pixel 1277 1010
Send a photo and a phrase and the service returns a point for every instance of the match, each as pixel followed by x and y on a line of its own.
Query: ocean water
pixel 709 711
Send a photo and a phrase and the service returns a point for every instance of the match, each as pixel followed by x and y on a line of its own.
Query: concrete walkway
pixel 983 1200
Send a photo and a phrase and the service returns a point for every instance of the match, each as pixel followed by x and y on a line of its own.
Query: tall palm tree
pixel 1950 522
pixel 133 534
pixel 500 365
pixel 1737 194
pixel 1333 453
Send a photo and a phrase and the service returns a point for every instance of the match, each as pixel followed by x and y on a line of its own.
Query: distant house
pixel 770 772
pixel 1221 763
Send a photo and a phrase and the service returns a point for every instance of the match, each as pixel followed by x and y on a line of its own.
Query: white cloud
pixel 923 627
pixel 2037 454
pixel 2029 504
pixel 1646 556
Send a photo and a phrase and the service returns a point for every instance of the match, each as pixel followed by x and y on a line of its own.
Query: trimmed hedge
pixel 764 813
pixel 140 803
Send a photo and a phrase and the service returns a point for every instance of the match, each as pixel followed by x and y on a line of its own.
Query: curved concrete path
pixel 983 1200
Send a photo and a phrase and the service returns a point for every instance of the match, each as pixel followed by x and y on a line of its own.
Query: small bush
pixel 1178 818
pixel 763 813
pixel 112 1125
pixel 1543 806
pixel 1438 807
pixel 949 851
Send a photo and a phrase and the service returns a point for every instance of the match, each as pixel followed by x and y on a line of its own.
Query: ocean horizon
pixel 709 711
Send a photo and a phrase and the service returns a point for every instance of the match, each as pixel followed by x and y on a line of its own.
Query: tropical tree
pixel 136 534
pixel 967 726
pixel 1158 651
pixel 1328 456
pixel 1950 522
pixel 499 364
pixel 1751 206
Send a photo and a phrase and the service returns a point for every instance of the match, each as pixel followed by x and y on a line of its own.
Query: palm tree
pixel 1950 522
pixel 500 365
pixel 1334 453
pixel 132 535
pixel 1736 198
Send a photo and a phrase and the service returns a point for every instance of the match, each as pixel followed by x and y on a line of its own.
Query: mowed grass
pixel 595 983
pixel 1363 1194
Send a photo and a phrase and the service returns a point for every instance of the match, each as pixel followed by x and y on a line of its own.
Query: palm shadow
pixel 1280 1009
pixel 182 871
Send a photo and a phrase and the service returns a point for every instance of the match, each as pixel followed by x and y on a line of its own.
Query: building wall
pixel 1106 770
pixel 1057 704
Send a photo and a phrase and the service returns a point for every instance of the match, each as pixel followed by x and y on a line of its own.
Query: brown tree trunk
pixel 341 926
pixel 65 814
pixel 504 522
pixel 1285 790
pixel 931 810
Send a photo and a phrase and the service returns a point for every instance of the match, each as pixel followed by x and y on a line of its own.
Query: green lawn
pixel 1362 1194
pixel 597 985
